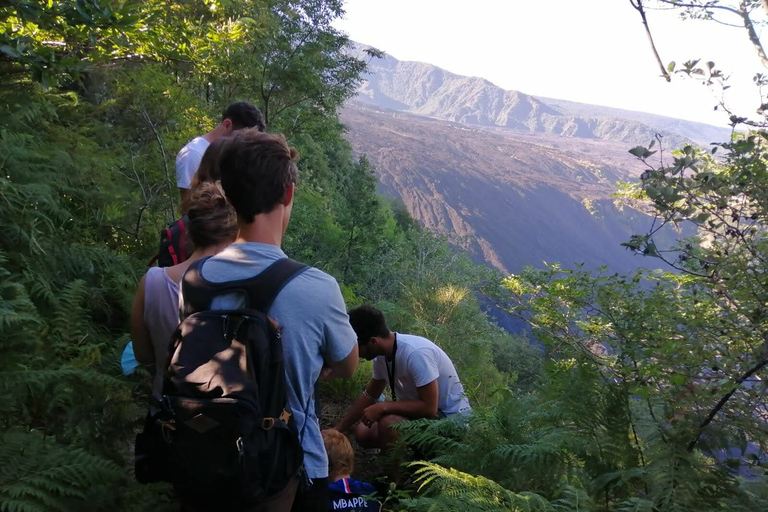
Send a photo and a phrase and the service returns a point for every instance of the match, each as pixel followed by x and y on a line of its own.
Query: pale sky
pixel 591 51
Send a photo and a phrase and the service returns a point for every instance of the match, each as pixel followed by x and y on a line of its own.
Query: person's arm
pixel 422 367
pixel 343 369
pixel 142 344
pixel 339 350
pixel 374 389
pixel 424 407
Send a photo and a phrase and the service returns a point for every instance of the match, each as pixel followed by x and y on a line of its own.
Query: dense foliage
pixel 653 392
pixel 96 97
pixel 650 397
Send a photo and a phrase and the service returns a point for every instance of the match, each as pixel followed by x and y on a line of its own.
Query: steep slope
pixel 512 198
pixel 426 90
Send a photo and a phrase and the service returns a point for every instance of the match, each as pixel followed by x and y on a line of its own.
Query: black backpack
pixel 174 247
pixel 224 434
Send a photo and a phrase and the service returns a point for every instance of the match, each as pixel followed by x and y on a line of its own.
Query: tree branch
pixel 742 12
pixel 699 6
pixel 721 403
pixel 638 5
pixel 148 120
pixel 753 37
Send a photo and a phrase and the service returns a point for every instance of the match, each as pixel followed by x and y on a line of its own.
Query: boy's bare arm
pixel 424 407
pixel 374 389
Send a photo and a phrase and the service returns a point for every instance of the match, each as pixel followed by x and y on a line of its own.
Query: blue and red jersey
pixel 350 495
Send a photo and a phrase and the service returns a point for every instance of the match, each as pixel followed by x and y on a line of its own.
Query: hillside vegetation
pixel 97 98
pixel 644 395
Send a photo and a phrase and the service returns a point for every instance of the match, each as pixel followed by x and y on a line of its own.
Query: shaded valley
pixel 511 198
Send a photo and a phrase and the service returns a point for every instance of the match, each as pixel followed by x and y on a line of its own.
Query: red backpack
pixel 173 244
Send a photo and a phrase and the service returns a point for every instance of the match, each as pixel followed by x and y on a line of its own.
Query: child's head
pixel 341 457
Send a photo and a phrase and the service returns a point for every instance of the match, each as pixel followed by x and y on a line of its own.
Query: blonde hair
pixel 341 457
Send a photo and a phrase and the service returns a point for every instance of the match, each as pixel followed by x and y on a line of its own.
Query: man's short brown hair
pixel 256 170
pixel 341 457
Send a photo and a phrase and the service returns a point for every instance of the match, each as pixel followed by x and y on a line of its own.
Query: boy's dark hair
pixel 368 322
pixel 244 115
pixel 256 170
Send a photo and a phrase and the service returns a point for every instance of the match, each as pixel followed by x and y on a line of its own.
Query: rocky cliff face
pixel 511 198
pixel 514 179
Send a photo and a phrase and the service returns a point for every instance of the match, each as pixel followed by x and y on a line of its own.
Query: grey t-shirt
pixel 313 316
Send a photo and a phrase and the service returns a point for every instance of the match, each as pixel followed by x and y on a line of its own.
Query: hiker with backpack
pixel 258 330
pixel 237 116
pixel 175 245
pixel 155 312
pixel 196 163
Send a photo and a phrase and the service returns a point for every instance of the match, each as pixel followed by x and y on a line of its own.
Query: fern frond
pixel 37 474
pixel 574 499
pixel 636 505
pixel 455 490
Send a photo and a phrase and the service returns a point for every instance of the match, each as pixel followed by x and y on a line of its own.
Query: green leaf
pixel 650 250
pixel 677 379
pixel 11 52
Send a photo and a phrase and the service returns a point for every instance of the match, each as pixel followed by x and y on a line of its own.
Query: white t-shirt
pixel 418 362
pixel 188 160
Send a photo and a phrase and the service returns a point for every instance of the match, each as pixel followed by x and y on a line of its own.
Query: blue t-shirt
pixel 315 326
pixel 351 495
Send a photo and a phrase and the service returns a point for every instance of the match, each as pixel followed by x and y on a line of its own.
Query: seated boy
pixel 345 493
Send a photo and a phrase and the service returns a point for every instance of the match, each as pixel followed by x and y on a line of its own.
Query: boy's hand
pixel 372 413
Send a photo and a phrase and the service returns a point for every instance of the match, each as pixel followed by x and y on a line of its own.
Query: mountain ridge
pixel 430 91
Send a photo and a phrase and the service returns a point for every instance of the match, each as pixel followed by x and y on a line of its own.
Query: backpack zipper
pixel 240 448
pixel 225 324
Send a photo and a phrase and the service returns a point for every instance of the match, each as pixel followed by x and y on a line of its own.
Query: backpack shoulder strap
pixel 263 288
pixel 182 223
pixel 260 291
pixel 197 292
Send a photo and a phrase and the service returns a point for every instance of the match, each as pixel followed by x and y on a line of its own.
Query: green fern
pixel 449 489
pixel 37 474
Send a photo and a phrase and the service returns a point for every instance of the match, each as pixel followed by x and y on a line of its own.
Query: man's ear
pixel 288 196
pixel 227 123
